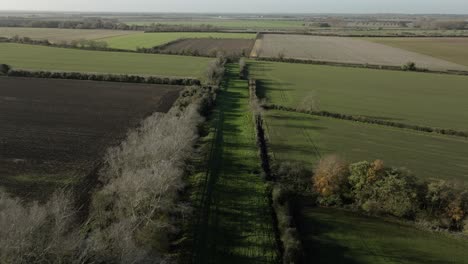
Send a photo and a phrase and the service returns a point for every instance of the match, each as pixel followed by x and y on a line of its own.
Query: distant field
pixel 305 138
pixel 57 34
pixel 227 23
pixel 55 132
pixel 335 236
pixel 149 40
pixel 58 59
pixel 342 49
pixel 209 47
pixel 450 49
pixel 415 98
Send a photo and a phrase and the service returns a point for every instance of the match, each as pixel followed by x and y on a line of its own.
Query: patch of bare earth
pixel 345 50
pixel 210 46
pixel 55 132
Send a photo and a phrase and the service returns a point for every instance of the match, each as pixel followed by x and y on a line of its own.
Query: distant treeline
pixel 102 77
pixel 369 120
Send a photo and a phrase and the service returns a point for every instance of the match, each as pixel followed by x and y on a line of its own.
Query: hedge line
pixel 369 120
pixel 104 77
pixel 358 65
pixel 285 227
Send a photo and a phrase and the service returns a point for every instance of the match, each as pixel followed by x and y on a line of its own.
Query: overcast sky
pixel 250 6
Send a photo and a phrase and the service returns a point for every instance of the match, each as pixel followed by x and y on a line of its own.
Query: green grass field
pixel 414 98
pixel 148 40
pixel 233 221
pixel 450 49
pixel 305 138
pixel 335 237
pixel 59 59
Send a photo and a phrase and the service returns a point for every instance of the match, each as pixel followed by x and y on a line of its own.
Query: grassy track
pixel 61 34
pixel 335 237
pixel 415 98
pixel 58 59
pixel 301 137
pixel 148 40
pixel 234 223
pixel 451 49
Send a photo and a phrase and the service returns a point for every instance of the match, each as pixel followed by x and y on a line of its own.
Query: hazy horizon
pixel 243 6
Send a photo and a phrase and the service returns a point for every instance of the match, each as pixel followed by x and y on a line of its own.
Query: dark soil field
pixel 53 133
pixel 209 46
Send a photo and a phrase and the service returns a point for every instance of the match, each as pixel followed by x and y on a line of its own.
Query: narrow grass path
pixel 234 222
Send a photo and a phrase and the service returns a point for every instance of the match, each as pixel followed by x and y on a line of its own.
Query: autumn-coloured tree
pixel 330 179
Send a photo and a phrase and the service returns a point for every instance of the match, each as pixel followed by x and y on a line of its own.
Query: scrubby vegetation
pixel 216 70
pixel 376 189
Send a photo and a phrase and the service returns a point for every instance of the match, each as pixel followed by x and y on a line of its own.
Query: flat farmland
pixel 209 47
pixel 306 138
pixel 53 133
pixel 149 40
pixel 59 59
pixel 336 236
pixel 450 49
pixel 346 50
pixel 59 34
pixel 434 100
pixel 226 23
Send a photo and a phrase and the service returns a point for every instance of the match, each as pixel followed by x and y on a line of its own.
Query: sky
pixel 244 6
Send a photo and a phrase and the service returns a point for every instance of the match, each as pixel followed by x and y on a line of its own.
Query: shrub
pixel 410 66
pixel 4 69
pixel 330 180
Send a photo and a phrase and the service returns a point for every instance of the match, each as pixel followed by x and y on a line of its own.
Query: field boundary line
pixel 367 120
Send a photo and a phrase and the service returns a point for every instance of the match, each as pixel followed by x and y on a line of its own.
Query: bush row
pixel 104 77
pixel 376 189
pixel 286 231
pixel 406 67
pixel 363 119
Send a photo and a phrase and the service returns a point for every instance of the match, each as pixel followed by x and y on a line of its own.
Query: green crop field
pixel 335 236
pixel 234 222
pixel 407 97
pixel 305 138
pixel 59 59
pixel 450 49
pixel 148 40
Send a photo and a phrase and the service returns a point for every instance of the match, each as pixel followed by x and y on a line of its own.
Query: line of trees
pixel 376 189
pixel 87 23
pixel 369 120
pixel 282 186
pixel 103 77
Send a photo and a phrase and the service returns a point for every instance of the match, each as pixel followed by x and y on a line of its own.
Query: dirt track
pixel 210 46
pixel 342 49
pixel 54 132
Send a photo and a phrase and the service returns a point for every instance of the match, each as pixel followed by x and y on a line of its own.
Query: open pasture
pixel 60 59
pixel 53 133
pixel 149 40
pixel 210 47
pixel 450 49
pixel 345 50
pixel 433 100
pixel 336 236
pixel 306 138
pixel 58 34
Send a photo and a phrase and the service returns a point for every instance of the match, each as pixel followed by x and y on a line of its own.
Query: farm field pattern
pixel 60 59
pixel 58 35
pixel 210 47
pixel 149 40
pixel 433 100
pixel 54 132
pixel 342 49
